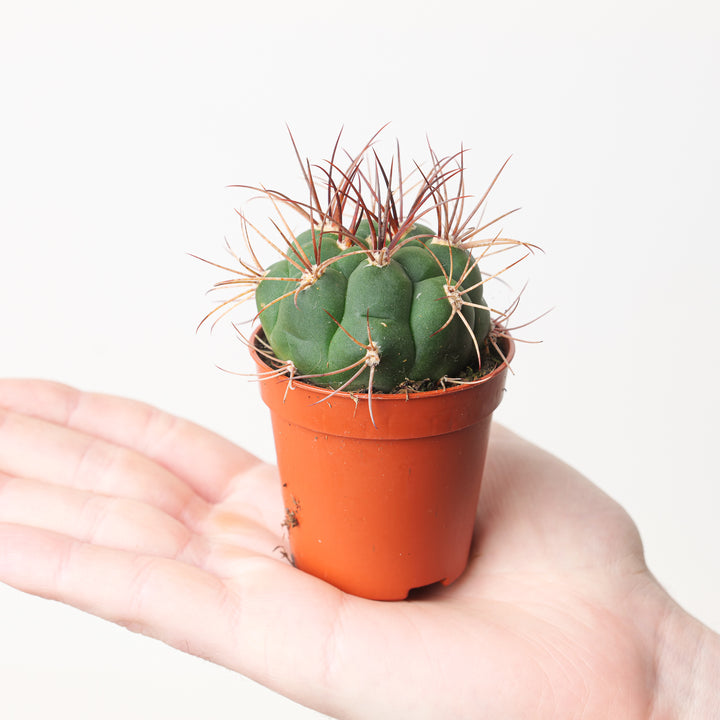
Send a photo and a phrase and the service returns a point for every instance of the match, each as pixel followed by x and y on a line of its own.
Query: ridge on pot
pixel 379 302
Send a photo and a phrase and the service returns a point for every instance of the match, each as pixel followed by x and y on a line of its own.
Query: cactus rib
pixel 366 266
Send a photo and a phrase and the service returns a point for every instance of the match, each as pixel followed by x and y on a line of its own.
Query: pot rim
pixel 391 415
pixel 508 350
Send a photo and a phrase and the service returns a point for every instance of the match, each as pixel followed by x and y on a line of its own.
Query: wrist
pixel 687 665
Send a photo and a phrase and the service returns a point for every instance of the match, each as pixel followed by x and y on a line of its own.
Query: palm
pixel 161 526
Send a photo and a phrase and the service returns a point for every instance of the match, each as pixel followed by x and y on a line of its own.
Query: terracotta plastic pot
pixel 378 510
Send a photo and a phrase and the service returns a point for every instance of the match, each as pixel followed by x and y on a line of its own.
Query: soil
pixel 489 355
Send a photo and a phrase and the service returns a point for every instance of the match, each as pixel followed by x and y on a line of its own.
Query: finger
pixel 203 459
pixel 172 601
pixel 521 476
pixel 113 522
pixel 534 508
pixel 39 450
pixel 260 623
pixel 255 624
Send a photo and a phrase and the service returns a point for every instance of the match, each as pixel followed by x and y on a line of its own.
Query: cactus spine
pixel 370 297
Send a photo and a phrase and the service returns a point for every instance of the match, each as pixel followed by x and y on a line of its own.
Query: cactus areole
pixel 382 291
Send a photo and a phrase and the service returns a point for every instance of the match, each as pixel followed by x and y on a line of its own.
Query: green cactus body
pixel 401 305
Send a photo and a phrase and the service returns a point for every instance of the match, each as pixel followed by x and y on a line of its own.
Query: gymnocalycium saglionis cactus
pixel 382 289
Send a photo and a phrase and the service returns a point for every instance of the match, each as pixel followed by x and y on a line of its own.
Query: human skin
pixel 163 527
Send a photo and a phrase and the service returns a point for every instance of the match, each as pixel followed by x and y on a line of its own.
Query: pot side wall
pixel 379 518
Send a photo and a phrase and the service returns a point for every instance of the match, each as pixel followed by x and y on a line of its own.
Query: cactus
pixel 373 294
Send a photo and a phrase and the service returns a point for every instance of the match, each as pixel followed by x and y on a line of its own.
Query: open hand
pixel 163 527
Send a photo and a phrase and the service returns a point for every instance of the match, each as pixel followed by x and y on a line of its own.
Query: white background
pixel 120 129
